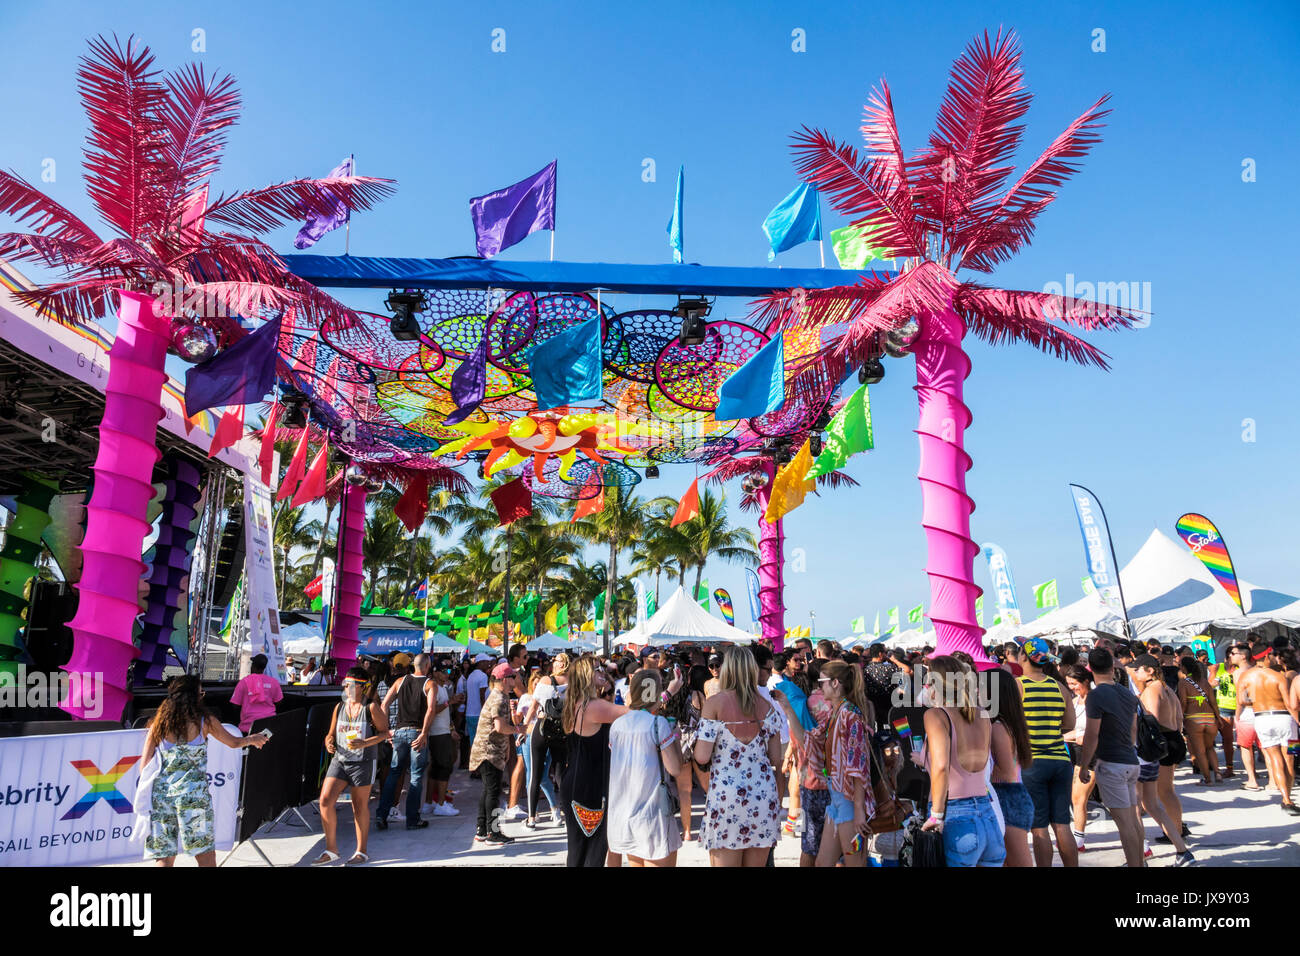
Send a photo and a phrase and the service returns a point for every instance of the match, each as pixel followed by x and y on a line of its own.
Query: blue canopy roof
pixel 472 273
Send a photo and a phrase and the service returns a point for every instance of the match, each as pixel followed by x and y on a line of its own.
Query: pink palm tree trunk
pixel 771 543
pixel 941 370
pixel 350 579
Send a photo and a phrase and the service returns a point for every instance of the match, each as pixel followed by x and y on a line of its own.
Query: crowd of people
pixel 867 758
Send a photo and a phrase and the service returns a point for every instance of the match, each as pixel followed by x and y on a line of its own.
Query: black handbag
pixel 669 805
pixel 1151 744
pixel 922 848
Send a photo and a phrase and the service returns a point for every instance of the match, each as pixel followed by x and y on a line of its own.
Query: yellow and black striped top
pixel 1044 708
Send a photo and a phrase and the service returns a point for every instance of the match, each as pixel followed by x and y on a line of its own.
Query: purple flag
pixel 238 375
pixel 317 226
pixel 469 383
pixel 506 216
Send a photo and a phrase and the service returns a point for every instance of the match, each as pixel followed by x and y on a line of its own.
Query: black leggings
pixel 540 747
pixel 488 806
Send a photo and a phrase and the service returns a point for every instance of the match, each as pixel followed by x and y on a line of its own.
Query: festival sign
pixel 68 799
pixel 259 565
pixel 1102 569
pixel 1199 533
pixel 1004 586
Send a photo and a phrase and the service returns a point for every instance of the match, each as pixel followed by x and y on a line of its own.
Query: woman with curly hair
pixel 180 814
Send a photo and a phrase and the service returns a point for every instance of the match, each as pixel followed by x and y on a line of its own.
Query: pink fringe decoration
pixel 941 369
pixel 347 605
pixel 115 522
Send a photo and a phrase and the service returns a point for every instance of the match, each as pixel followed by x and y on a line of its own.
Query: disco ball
pixel 903 336
pixel 895 351
pixel 192 342
pixel 374 485
pixel 752 484
pixel 354 476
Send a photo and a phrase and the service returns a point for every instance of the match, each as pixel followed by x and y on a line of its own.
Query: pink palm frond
pixel 71 302
pixel 880 130
pixel 737 468
pixel 1001 328
pixel 267 208
pixel 127 176
pixel 836 479
pixel 47 250
pixel 1007 227
pixel 27 205
pixel 872 193
pixel 1032 306
pixel 196 112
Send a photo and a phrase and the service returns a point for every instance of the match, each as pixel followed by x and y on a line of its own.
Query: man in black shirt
pixel 1109 737
pixel 416 698
pixel 879 678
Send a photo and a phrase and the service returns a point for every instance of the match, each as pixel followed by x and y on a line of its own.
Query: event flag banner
pixel 893 621
pixel 68 799
pixel 1003 584
pixel 1199 533
pixel 914 615
pixel 1088 586
pixel 755 609
pixel 506 216
pixel 1046 596
pixel 676 226
pixel 979 610
pixel 723 597
pixel 702 595
pixel 642 604
pixel 259 565
pixel 1102 568
pixel 796 219
pixel 875 630
pixel 848 433
pixel 859 625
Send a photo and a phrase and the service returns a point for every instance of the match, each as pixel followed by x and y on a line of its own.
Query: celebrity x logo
pixel 103 786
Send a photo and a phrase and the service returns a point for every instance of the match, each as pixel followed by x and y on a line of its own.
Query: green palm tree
pixel 542 554
pixel 620 524
pixel 710 535
pixel 289 531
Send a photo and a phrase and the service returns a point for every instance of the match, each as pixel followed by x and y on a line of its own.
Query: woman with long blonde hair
pixel 584 788
pixel 958 737
pixel 739 743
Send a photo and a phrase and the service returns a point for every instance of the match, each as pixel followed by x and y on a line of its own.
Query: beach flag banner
pixel 1199 533
pixel 979 610
pixel 859 624
pixel 1046 596
pixel 902 727
pixel 724 605
pixel 796 219
pixel 1102 567
pixel 914 615
pixel 1003 584
pixel 755 609
pixel 675 224
pixel 1087 585
pixel 504 217
pixel 893 620
pixel 702 594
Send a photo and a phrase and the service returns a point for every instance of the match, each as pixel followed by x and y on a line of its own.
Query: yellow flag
pixel 551 626
pixel 588 626
pixel 790 487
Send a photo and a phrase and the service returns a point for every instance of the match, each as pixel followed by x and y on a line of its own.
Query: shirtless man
pixel 1240 663
pixel 1159 700
pixel 1265 690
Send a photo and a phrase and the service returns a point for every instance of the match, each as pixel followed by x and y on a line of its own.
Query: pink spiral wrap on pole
pixel 116 523
pixel 941 370
pixel 771 542
pixel 350 579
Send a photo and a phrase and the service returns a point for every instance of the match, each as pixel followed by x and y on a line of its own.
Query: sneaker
pixel 429 808
pixel 1184 859
pixel 1146 851
pixel 498 838
pixel 513 813
pixel 442 810
pixel 480 837
pixel 417 825
pixel 394 814
pixel 557 818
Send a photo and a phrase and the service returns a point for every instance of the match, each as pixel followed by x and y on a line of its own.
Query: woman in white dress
pixel 739 743
pixel 645 753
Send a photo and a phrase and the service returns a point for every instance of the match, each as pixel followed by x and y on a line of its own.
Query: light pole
pixel 812 624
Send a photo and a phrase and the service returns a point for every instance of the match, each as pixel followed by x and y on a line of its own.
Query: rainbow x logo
pixel 103 786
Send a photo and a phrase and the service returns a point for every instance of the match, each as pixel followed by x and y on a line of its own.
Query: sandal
pixel 357 859
pixel 327 857
pixel 1246 786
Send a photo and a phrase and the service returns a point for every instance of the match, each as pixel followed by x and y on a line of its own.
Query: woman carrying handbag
pixel 644 752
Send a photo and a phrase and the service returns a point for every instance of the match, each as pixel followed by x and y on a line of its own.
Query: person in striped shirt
pixel 1050 777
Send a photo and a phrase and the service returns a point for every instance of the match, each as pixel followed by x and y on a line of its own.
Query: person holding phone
pixel 357 727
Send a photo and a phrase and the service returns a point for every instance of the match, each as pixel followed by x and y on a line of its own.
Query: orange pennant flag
pixel 313 486
pixel 690 505
pixel 296 468
pixel 589 506
pixel 229 430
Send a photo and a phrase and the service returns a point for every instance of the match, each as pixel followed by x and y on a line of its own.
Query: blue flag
pixel 757 387
pixel 238 375
pixel 675 224
pixel 566 369
pixel 797 218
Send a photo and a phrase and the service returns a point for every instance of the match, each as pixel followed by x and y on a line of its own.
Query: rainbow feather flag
pixel 902 727
pixel 724 605
pixel 1199 533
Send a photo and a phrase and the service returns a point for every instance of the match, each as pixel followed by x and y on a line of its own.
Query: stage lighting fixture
pixel 815 445
pixel 692 312
pixel 871 372
pixel 405 305
pixel 652 471
pixel 295 410
pixel 783 453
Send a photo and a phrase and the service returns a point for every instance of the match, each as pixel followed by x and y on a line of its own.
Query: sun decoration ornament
pixel 539 436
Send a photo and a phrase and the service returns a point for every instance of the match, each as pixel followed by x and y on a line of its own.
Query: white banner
pixel 259 563
pixel 66 799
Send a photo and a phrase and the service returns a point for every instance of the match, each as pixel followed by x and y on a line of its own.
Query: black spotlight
pixel 692 312
pixel 783 453
pixel 815 445
pixel 652 471
pixel 405 305
pixel 823 421
pixel 481 472
pixel 295 410
pixel 871 372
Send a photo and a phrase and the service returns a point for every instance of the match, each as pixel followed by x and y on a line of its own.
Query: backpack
pixel 1151 744
pixel 553 716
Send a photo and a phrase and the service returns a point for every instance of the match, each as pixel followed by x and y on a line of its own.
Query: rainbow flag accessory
pixel 1293 747
pixel 902 727
pixel 1199 533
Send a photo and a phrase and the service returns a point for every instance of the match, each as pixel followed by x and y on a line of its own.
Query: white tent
pixel 682 621
pixel 442 644
pixel 913 639
pixel 549 642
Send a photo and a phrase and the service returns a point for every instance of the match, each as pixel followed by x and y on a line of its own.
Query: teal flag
pixel 675 224
pixel 566 369
pixel 848 433
pixel 797 218
pixel 757 387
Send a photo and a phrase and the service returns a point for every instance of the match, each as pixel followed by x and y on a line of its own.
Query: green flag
pixel 997 620
pixel 598 608
pixel 562 618
pixel 368 604
pixel 859 625
pixel 914 615
pixel 875 631
pixel 702 595
pixel 893 621
pixel 853 248
pixel 979 610
pixel 848 433
pixel 1045 596
pixel 1088 586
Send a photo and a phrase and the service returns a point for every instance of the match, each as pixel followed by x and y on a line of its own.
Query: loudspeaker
pixel 47 636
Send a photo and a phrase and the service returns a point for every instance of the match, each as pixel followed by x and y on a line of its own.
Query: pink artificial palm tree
pixel 947 207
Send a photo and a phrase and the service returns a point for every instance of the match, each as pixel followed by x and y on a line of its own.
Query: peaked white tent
pixel 549 642
pixel 682 621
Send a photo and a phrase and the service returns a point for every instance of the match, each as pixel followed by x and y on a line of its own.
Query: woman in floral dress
pixel 739 743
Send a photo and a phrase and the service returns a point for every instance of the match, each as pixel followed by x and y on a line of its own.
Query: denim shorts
pixel 970 833
pixel 1049 783
pixel 814 803
pixel 840 809
pixel 1017 804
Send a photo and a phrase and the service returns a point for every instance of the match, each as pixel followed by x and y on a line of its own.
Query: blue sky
pixel 417 94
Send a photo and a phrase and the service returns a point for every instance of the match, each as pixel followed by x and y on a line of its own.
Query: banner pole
pixel 1128 627
pixel 347 226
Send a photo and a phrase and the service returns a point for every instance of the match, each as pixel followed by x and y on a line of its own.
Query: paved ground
pixel 1230 825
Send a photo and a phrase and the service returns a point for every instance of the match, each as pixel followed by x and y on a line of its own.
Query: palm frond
pixel 196 112
pixel 1032 306
pixel 47 250
pixel 27 205
pixel 1000 328
pixel 836 479
pixel 267 208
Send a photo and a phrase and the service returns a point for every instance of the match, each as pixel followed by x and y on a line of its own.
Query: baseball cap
pixel 1038 651
pixel 402 660
pixel 715 659
pixel 482 658
pixel 1147 660
pixel 502 670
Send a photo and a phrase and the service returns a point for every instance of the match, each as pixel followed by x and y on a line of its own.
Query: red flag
pixel 689 506
pixel 229 430
pixel 314 587
pixel 266 457
pixel 297 466
pixel 513 500
pixel 414 503
pixel 589 506
pixel 313 486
